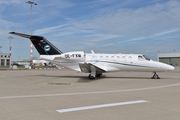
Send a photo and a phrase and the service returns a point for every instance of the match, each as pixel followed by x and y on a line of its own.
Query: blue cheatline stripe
pixel 100 106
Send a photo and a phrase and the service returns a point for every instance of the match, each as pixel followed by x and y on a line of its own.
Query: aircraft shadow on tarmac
pixel 85 79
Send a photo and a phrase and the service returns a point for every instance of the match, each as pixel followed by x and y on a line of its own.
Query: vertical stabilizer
pixel 43 46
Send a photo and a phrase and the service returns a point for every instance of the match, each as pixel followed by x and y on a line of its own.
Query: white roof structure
pixel 168 55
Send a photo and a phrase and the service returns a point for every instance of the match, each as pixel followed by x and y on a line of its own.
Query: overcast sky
pixel 105 26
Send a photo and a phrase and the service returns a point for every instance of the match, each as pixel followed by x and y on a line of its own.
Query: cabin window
pixel 140 58
pixel 112 57
pixel 123 57
pixel 117 58
pixel 107 57
pixel 129 58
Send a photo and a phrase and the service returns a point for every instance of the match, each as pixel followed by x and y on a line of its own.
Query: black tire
pixel 91 77
pixel 155 76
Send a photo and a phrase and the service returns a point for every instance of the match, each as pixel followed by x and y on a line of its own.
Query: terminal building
pixel 4 59
pixel 170 58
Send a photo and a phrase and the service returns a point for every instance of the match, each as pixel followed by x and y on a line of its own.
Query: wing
pixel 85 67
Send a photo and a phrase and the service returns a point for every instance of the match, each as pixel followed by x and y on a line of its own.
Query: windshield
pixel 140 58
pixel 147 58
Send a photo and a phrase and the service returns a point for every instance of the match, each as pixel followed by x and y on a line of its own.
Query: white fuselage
pixel 92 63
pixel 107 62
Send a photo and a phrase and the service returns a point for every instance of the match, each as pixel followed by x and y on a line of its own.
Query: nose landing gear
pixel 155 76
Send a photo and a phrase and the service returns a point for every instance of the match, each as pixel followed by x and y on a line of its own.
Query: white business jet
pixel 93 63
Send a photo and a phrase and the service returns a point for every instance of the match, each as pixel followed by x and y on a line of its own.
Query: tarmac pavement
pixel 43 94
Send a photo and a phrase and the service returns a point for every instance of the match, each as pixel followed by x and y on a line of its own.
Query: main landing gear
pixel 93 77
pixel 155 76
pixel 93 73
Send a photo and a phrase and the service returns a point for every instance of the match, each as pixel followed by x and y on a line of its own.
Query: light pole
pixel 10 50
pixel 0 48
pixel 31 24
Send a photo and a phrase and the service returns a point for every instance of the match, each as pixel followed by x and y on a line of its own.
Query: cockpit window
pixel 140 58
pixel 147 58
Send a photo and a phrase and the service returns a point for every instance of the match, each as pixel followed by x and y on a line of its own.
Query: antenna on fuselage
pixel 92 51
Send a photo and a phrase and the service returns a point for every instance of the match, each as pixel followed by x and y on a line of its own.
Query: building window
pixel 2 62
pixel 7 62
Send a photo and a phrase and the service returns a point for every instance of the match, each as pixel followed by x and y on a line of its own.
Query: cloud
pixel 49 29
pixel 7 2
pixel 134 24
pixel 62 31
pixel 166 32
pixel 8 24
pixel 60 4
pixel 130 22
pixel 110 44
pixel 152 36
pixel 100 37
pixel 133 39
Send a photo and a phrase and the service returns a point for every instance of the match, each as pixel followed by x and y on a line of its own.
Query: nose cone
pixel 159 66
pixel 168 67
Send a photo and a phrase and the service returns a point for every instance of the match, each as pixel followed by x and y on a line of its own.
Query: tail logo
pixel 46 48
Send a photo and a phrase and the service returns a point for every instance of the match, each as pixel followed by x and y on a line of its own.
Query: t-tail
pixel 43 46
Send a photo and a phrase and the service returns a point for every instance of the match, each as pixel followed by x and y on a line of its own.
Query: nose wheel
pixel 155 76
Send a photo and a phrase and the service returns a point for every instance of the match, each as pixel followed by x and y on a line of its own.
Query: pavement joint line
pixel 44 81
pixel 54 83
pixel 100 106
pixel 88 93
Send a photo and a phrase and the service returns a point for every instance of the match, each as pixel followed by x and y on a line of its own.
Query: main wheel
pixel 91 77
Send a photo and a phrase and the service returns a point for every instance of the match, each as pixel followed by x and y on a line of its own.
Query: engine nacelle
pixel 79 55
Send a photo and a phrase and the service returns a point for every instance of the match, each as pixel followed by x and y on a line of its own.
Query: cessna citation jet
pixel 92 63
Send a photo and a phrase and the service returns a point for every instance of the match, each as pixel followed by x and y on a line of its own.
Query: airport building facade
pixel 4 59
pixel 170 58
